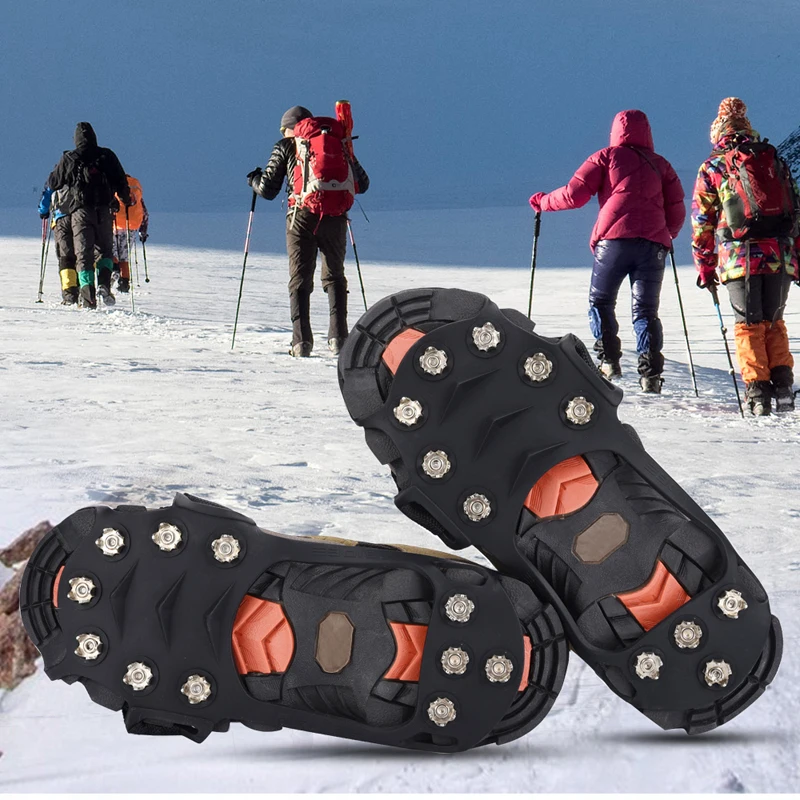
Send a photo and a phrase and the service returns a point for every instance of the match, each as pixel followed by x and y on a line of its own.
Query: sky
pixel 456 104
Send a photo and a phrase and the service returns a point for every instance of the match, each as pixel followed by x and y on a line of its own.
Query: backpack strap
pixel 644 156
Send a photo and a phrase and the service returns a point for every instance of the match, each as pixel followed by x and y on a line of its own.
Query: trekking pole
pixel 683 319
pixel 536 225
pixel 358 263
pixel 136 259
pixel 244 264
pixel 46 232
pixel 731 371
pixel 144 258
pixel 128 238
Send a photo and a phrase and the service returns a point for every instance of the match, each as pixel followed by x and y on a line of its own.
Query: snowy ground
pixel 111 407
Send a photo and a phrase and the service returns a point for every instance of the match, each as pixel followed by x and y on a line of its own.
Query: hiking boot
pixel 611 369
pixel 190 617
pixel 784 399
pixel 651 384
pixel 123 285
pixel 335 344
pixel 782 379
pixel 69 297
pixel 757 396
pixel 301 350
pixel 86 297
pixel 509 441
pixel 105 294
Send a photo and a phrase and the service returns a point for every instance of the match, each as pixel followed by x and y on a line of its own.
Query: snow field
pixel 113 407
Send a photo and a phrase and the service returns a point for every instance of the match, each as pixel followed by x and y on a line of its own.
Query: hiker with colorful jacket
pixel 641 212
pixel 316 220
pixel 50 203
pixel 756 264
pixel 131 219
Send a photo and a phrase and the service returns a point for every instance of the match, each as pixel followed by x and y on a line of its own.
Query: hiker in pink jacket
pixel 641 212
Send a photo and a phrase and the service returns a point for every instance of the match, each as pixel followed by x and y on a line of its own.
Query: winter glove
pixel 708 280
pixel 536 201
pixel 114 206
pixel 45 215
pixel 254 176
pixel 143 237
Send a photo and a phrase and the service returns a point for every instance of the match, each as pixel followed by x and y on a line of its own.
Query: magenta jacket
pixel 639 193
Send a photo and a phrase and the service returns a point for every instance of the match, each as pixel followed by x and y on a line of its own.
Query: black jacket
pixel 267 182
pixel 89 175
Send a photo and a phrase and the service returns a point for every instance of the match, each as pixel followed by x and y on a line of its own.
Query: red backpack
pixel 760 205
pixel 323 179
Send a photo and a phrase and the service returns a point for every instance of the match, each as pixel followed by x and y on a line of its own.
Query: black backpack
pixel 92 185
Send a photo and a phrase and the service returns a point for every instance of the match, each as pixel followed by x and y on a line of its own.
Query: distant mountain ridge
pixel 789 149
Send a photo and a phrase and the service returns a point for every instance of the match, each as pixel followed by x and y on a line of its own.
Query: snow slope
pixel 112 407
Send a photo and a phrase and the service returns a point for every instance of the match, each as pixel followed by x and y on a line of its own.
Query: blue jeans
pixel 642 262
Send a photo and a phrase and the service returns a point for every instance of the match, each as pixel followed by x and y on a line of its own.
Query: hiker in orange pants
pixel 134 218
pixel 754 251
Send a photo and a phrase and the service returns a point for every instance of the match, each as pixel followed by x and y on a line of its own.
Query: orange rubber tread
pixel 656 599
pixel 563 489
pixel 396 349
pixel 262 638
pixel 526 665
pixel 56 584
pixel 410 642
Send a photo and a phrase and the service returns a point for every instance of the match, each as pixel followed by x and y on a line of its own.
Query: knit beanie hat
pixel 294 115
pixel 732 118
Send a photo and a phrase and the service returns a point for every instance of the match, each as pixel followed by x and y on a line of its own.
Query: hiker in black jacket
pixel 310 229
pixel 87 178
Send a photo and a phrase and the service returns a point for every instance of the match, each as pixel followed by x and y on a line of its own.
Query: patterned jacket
pixel 708 217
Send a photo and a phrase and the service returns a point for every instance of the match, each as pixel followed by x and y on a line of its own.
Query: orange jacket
pixel 135 212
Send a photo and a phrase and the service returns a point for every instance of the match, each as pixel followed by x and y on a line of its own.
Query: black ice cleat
pixel 509 441
pixel 190 617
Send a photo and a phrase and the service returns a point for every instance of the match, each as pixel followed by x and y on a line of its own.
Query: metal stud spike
pixel 436 464
pixel 442 711
pixel 579 411
pixel 648 665
pixel 454 661
pixel 408 411
pixel 687 635
pixel 433 361
pixel 138 676
pixel 197 689
pixel 81 590
pixel 717 673
pixel 477 507
pixel 487 337
pixel 732 603
pixel 499 669
pixel 111 542
pixel 167 537
pixel 538 367
pixel 226 548
pixel 459 608
pixel 89 646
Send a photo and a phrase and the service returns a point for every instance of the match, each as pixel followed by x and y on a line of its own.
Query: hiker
pixel 745 234
pixel 87 179
pixel 316 218
pixel 131 220
pixel 641 212
pixel 50 203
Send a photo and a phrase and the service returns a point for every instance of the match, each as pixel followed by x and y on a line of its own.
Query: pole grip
pixel 537 224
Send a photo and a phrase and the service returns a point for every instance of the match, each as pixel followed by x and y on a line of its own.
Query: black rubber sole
pixel 629 566
pixel 292 632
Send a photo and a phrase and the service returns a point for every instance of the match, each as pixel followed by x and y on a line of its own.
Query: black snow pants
pixel 306 235
pixel 65 251
pixel 93 230
pixel 642 262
